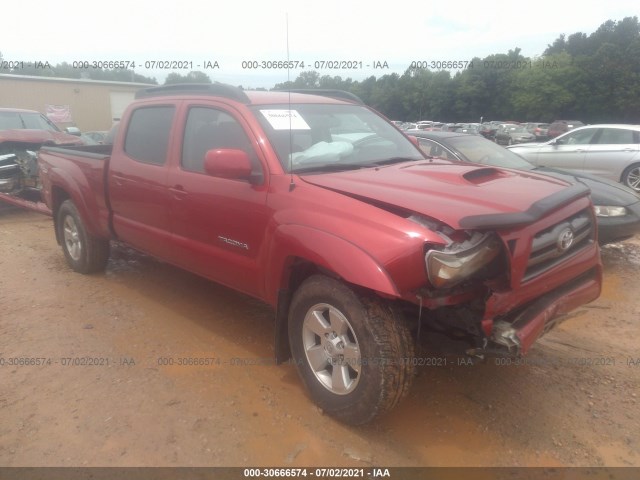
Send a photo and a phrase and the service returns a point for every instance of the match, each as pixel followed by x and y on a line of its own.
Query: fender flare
pixel 78 194
pixel 326 250
pixel 330 252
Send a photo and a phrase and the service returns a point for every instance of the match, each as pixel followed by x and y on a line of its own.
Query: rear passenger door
pixel 613 150
pixel 137 179
pixel 218 224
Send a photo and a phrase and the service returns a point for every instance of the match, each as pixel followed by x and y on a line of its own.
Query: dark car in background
pixel 540 130
pixel 559 127
pixel 510 134
pixel 488 130
pixel 617 207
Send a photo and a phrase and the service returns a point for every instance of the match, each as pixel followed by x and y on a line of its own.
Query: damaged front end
pixel 18 171
pixel 500 291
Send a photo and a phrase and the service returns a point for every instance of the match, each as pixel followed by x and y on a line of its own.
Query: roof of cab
pixel 231 92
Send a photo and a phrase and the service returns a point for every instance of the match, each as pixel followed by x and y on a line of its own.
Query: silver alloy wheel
pixel 633 178
pixel 331 348
pixel 72 238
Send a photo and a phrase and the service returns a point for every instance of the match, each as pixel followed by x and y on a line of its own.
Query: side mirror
pixel 228 163
pixel 73 131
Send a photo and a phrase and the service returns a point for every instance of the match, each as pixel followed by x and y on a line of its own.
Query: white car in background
pixel 610 151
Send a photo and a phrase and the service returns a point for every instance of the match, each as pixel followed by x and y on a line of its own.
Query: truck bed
pixel 80 171
pixel 98 152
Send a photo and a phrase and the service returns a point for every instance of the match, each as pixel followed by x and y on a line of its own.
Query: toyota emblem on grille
pixel 565 240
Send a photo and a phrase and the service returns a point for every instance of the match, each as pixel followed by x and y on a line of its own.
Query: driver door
pixel 567 151
pixel 218 224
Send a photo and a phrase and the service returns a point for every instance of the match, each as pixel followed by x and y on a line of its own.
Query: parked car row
pixel 617 207
pixel 540 130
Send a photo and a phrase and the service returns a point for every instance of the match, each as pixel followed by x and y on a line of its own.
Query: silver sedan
pixel 610 151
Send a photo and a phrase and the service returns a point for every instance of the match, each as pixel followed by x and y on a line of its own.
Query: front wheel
pixel 84 252
pixel 353 352
pixel 631 177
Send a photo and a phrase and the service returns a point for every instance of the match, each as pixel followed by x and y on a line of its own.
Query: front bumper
pixel 514 333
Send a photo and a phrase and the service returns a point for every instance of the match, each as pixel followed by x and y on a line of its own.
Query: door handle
pixel 178 192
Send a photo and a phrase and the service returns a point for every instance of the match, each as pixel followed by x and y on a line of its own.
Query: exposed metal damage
pixel 18 170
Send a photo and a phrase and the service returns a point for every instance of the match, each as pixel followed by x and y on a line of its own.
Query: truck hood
pixel 459 194
pixel 39 137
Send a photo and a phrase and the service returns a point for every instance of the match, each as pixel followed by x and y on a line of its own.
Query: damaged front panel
pixel 18 171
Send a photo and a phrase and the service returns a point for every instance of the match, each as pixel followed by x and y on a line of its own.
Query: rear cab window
pixel 148 133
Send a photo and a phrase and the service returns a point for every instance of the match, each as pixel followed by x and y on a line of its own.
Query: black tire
pixel 631 177
pixel 84 252
pixel 384 366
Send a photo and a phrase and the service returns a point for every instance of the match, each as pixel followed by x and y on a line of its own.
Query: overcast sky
pixel 396 32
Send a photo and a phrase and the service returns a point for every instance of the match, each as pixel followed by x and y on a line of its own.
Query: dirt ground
pixel 574 403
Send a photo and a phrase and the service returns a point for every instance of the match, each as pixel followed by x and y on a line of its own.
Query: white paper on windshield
pixel 285 119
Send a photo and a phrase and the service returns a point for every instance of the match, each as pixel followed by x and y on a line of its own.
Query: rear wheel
pixel 631 177
pixel 84 252
pixel 353 352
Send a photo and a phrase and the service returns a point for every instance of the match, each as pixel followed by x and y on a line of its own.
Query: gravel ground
pixel 574 402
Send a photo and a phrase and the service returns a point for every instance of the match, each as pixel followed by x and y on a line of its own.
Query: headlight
pixel 602 211
pixel 459 261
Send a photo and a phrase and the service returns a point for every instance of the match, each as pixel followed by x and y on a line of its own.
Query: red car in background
pixel 21 133
pixel 562 126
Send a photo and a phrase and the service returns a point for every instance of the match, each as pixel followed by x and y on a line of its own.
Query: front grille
pixel 552 246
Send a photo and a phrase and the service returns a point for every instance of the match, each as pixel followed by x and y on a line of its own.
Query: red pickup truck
pixel 317 205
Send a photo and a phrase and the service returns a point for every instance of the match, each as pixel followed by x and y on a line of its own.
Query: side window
pixel 207 129
pixel 615 136
pixel 581 137
pixel 147 137
pixel 434 149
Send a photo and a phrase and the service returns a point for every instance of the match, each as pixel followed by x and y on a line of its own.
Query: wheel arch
pixel 623 177
pixel 65 187
pixel 297 252
pixel 58 196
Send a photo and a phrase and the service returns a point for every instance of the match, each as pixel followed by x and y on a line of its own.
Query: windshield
pixel 479 150
pixel 307 137
pixel 22 120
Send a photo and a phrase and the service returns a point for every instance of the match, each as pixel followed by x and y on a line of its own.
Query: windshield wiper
pixel 332 167
pixel 336 167
pixel 391 161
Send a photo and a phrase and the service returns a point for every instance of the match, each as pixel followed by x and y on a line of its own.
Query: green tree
pixel 191 77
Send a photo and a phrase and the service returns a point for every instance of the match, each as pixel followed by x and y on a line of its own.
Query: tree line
pixel 593 78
